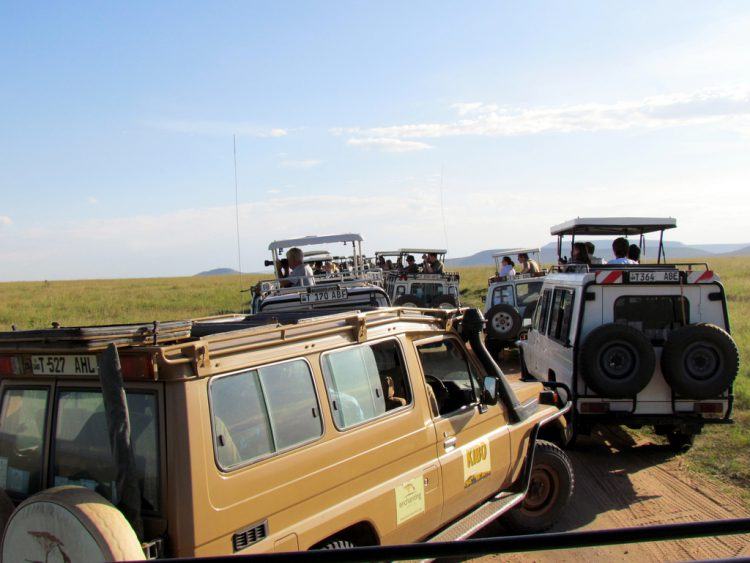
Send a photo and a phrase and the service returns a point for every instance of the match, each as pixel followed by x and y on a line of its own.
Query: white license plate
pixel 320 296
pixel 655 277
pixel 64 365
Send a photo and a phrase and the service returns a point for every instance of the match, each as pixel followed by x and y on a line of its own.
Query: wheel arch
pixel 363 533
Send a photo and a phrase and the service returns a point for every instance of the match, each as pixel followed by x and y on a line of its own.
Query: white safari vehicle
pixel 350 286
pixel 511 300
pixel 416 288
pixel 635 344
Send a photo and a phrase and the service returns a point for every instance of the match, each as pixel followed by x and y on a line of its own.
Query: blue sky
pixel 116 124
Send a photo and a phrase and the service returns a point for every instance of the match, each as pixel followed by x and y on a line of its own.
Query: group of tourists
pixel 528 266
pixel 430 264
pixel 624 253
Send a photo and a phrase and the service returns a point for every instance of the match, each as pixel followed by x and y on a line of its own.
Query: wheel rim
pixel 702 361
pixel 502 322
pixel 446 305
pixel 544 488
pixel 619 360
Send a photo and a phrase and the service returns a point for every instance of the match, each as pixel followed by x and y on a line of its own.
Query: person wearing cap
pixel 411 265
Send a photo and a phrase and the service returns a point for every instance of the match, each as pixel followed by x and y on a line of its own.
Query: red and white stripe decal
pixel 614 276
pixel 701 277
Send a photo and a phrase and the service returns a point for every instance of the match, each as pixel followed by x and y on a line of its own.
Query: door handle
pixel 449 443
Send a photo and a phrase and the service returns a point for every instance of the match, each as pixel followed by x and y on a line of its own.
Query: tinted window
pixel 448 375
pixel 561 315
pixel 22 440
pixel 365 382
pixel 503 295
pixel 654 315
pixel 82 454
pixel 540 319
pixel 422 290
pixel 257 413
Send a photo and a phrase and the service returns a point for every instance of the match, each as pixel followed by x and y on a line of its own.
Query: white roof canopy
pixel 317 256
pixel 422 251
pixel 314 239
pixel 510 251
pixel 614 226
pixel 388 253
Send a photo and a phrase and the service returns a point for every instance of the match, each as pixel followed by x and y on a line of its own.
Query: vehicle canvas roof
pixel 314 239
pixel 616 226
pixel 508 251
pixel 422 251
pixel 317 256
pixel 387 253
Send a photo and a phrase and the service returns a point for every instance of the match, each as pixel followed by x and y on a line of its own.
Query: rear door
pixel 559 351
pixel 473 447
pixel 533 351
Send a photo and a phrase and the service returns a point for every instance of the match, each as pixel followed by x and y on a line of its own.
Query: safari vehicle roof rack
pixel 522 250
pixel 314 239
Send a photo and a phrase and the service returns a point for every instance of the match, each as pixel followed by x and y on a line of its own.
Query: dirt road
pixel 621 482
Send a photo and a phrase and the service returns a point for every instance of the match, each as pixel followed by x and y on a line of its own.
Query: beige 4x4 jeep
pixel 238 434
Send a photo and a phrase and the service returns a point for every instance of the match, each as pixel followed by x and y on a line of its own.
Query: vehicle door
pixel 473 446
pixel 535 346
pixel 559 348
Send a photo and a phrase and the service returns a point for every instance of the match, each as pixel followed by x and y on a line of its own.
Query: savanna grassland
pixel 721 451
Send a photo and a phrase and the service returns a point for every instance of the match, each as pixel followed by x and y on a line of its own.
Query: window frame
pixel 474 384
pixel 543 310
pixel 387 413
pixel 671 296
pixel 274 453
pixel 563 339
pixel 510 287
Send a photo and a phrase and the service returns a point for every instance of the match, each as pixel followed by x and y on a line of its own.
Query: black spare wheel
pixel 444 302
pixel 700 361
pixel 409 301
pixel 503 322
pixel 617 361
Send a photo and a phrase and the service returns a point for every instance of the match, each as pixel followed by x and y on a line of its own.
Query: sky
pixel 467 125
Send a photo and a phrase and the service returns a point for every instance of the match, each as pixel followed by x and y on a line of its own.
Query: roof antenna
pixel 442 208
pixel 237 214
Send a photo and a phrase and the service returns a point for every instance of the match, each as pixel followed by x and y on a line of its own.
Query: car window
pixel 527 293
pixel 422 290
pixel 260 412
pixel 365 382
pixel 561 315
pixel 653 315
pixel 540 318
pixel 448 375
pixel 22 440
pixel 503 295
pixel 82 454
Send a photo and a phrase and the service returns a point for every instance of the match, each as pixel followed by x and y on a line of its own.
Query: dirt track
pixel 622 483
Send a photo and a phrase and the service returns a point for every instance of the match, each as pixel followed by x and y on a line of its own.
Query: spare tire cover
pixel 69 524
pixel 409 301
pixel 503 322
pixel 445 302
pixel 700 361
pixel 617 361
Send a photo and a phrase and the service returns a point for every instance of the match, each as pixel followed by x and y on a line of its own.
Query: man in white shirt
pixel 300 273
pixel 620 249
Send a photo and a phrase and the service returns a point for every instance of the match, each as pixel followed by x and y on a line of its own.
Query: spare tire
pixel 6 509
pixel 445 302
pixel 700 361
pixel 503 322
pixel 409 301
pixel 69 524
pixel 617 361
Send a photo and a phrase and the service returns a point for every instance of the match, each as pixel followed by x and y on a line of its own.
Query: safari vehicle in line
pixel 637 344
pixel 351 287
pixel 246 435
pixel 419 288
pixel 511 300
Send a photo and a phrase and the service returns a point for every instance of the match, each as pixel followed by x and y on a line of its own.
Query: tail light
pixel 594 408
pixel 10 365
pixel 137 367
pixel 709 408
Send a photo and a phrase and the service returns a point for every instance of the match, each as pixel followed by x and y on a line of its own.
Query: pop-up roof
pixel 613 226
pixel 312 240
pixel 422 251
pixel 514 251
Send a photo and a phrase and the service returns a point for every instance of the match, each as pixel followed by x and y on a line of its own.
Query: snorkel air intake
pixel 472 327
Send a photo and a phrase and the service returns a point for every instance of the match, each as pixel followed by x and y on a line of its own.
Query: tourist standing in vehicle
pixel 580 254
pixel 634 253
pixel 620 248
pixel 507 270
pixel 528 266
pixel 432 265
pixel 411 265
pixel 591 249
pixel 301 273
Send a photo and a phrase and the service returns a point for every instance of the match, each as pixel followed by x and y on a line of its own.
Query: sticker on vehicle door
pixel 477 462
pixel 409 499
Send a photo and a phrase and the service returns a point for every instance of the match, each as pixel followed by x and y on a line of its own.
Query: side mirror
pixel 489 390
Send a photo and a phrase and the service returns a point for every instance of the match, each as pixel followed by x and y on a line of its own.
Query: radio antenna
pixel 237 214
pixel 442 208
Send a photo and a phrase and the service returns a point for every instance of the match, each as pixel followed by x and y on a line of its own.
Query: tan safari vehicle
pixel 238 434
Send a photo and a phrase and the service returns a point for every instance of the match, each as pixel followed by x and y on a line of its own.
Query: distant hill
pixel 674 250
pixel 218 272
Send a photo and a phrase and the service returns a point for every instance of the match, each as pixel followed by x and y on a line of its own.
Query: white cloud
pixel 388 145
pixel 209 127
pixel 5 221
pixel 273 191
pixel 728 106
pixel 92 200
pixel 301 164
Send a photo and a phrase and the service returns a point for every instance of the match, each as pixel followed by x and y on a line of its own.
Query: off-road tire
pixel 503 323
pixel 680 441
pixel 71 523
pixel 409 301
pixel 551 487
pixel 338 544
pixel 700 361
pixel 443 300
pixel 617 361
pixel 6 509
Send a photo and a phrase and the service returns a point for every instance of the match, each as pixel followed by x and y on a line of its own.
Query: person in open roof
pixel 432 265
pixel 580 254
pixel 620 249
pixel 634 253
pixel 301 274
pixel 591 250
pixel 411 265
pixel 528 265
pixel 507 270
